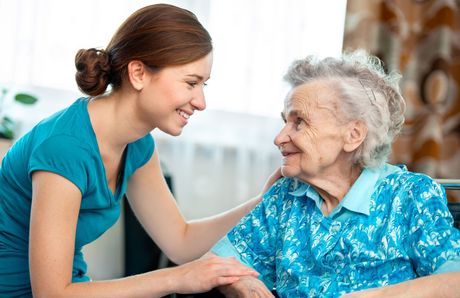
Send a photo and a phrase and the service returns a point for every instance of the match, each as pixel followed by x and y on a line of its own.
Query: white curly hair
pixel 365 93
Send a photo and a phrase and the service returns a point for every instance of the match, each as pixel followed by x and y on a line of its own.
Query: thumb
pixel 271 180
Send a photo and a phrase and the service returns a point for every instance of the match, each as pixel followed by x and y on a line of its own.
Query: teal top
pixel 65 144
pixel 392 226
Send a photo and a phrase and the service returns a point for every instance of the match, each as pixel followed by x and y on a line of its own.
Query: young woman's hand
pixel 209 272
pixel 271 179
pixel 246 287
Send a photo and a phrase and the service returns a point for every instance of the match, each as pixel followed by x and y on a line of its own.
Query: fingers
pixel 247 287
pixel 258 289
pixel 210 272
pixel 257 293
pixel 229 266
pixel 275 176
pixel 272 179
pixel 225 280
pixel 223 271
pixel 238 271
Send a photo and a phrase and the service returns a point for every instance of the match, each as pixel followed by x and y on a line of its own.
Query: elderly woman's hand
pixel 246 287
pixel 208 272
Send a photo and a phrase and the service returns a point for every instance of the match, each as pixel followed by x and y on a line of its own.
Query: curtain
pixel 421 40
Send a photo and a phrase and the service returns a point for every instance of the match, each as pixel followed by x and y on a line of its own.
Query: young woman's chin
pixel 171 132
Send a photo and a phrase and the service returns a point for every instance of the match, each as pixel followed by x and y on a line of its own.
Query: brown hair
pixel 159 35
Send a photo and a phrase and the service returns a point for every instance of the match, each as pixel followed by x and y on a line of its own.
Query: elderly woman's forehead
pixel 312 93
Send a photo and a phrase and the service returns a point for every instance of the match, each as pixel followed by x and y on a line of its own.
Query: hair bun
pixel 93 70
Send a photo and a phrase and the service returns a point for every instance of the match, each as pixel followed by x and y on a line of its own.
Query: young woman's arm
pixel 54 215
pixel 157 210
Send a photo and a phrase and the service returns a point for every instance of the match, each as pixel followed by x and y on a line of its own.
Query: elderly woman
pixel 343 220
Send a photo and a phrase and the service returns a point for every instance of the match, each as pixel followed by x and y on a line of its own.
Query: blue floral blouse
pixel 392 226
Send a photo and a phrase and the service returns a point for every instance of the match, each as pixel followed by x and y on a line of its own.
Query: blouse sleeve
pixel 432 242
pixel 253 239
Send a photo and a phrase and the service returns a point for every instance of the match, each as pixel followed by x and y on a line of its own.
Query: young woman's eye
pixel 192 84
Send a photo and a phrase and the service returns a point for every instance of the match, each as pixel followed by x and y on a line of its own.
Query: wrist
pixel 170 280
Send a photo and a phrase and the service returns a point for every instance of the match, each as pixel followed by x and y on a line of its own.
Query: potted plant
pixel 7 124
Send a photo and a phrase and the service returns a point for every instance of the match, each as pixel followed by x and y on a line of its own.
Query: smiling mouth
pixel 285 154
pixel 183 114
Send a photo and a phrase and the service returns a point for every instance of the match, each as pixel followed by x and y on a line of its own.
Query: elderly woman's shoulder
pixel 412 187
pixel 412 180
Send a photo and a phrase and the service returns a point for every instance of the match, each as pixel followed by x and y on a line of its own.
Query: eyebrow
pixel 297 113
pixel 198 77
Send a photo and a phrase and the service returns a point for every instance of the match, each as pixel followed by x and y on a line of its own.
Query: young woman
pixel 62 183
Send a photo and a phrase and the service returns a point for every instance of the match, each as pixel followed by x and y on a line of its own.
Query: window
pixel 254 41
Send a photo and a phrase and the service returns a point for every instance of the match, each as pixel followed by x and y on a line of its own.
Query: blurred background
pixel 226 152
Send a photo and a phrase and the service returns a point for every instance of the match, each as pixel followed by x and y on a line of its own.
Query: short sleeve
pixel 255 236
pixel 432 240
pixel 141 151
pixel 65 156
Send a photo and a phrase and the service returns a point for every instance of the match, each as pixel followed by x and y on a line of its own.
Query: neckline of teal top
pixel 357 199
pixel 114 195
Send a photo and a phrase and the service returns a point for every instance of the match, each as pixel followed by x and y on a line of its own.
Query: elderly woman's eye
pixel 298 121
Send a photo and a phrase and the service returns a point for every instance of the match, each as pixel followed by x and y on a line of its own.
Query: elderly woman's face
pixel 311 141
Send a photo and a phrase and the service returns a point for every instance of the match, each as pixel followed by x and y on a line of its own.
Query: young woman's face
pixel 174 93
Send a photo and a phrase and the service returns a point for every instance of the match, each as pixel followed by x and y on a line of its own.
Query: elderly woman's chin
pixel 290 171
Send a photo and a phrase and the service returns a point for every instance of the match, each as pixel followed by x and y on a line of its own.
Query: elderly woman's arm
pixel 433 245
pixel 438 285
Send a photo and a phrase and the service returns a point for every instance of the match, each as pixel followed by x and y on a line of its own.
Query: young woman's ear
pixel 137 74
pixel 354 135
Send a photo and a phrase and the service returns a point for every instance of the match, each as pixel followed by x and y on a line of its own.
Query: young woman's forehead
pixel 200 68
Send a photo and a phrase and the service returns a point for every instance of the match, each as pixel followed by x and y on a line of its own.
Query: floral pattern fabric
pixel 421 40
pixel 407 233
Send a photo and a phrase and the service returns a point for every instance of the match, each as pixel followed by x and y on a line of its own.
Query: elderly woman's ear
pixel 355 133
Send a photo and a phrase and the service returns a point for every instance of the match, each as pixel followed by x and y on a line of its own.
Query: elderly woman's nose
pixel 281 138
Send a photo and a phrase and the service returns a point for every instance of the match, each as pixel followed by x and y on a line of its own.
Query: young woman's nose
pixel 198 101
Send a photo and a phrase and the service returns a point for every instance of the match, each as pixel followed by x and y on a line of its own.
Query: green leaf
pixel 6 133
pixel 25 98
pixel 7 120
pixel 7 128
